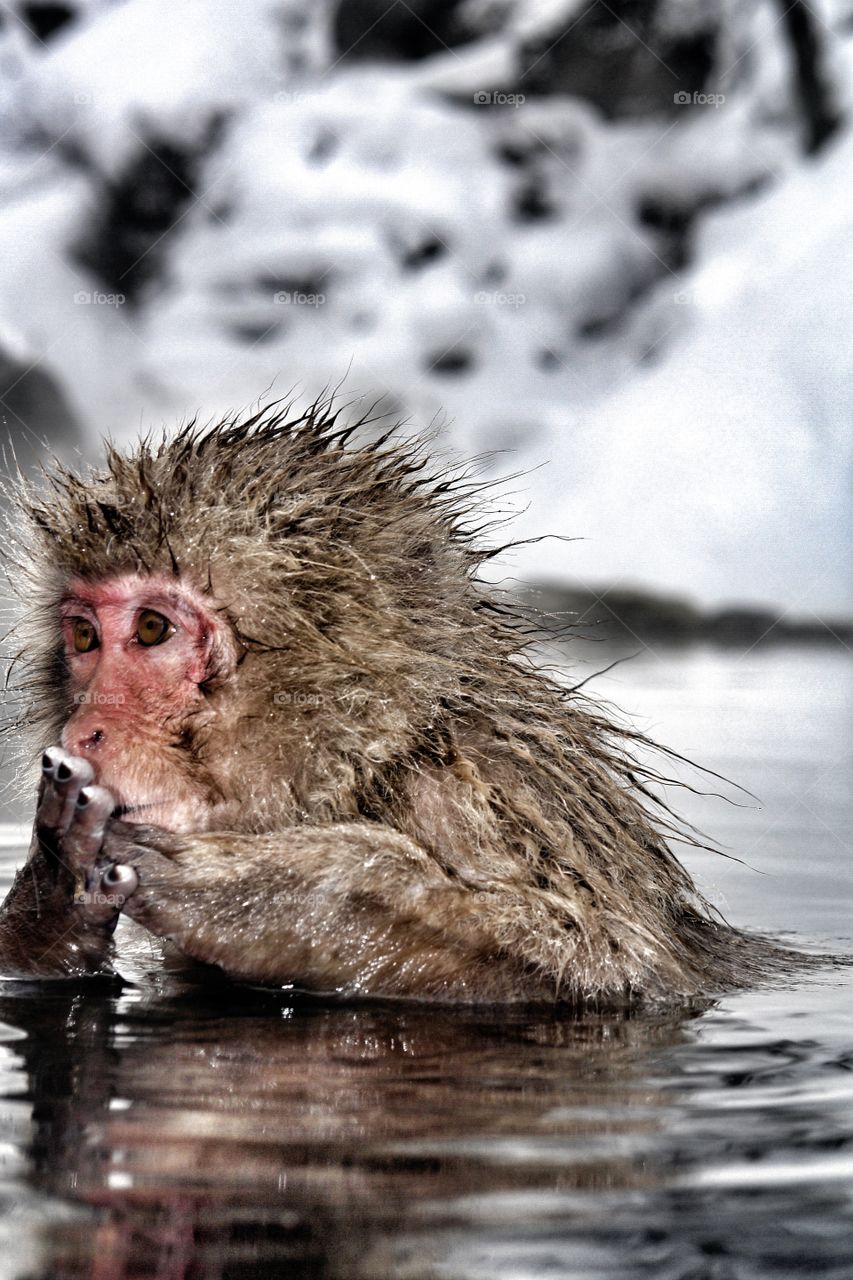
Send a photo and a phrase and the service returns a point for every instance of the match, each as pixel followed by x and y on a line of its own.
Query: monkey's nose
pixel 80 740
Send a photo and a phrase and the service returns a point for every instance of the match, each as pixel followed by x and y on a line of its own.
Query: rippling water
pixel 216 1133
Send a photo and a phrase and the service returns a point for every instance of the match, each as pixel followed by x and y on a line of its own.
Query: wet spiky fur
pixel 381 682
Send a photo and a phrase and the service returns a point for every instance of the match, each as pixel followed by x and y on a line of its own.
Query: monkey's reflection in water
pixel 232 1133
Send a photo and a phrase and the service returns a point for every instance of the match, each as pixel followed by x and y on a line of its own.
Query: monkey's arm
pixel 50 926
pixel 355 908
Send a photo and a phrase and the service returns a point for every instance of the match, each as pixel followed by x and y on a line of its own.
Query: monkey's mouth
pixel 160 812
pixel 121 810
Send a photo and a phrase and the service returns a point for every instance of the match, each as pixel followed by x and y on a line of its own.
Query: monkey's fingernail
pixel 121 877
pixel 83 799
pixel 63 773
pixel 46 763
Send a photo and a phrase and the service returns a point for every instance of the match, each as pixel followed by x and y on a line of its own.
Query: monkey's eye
pixel 152 628
pixel 84 635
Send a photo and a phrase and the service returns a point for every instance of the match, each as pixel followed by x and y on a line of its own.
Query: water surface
pixel 221 1133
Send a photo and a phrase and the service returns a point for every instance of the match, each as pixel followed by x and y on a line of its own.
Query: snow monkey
pixel 283 725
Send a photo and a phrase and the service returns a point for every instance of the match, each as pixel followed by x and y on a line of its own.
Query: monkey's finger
pixel 85 835
pixel 72 774
pixel 49 805
pixel 64 776
pixel 108 887
pixel 162 893
pixel 120 879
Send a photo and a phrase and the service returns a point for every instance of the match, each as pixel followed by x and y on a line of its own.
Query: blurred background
pixel 607 243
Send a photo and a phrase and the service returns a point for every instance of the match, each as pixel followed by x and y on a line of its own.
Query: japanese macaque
pixel 283 726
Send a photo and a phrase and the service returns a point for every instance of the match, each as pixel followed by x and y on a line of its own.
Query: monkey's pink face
pixel 139 650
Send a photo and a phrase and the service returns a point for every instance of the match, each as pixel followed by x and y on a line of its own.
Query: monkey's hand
pixel 60 913
pixel 355 908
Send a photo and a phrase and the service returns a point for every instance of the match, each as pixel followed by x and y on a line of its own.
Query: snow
pixel 362 223
pixel 728 465
pixel 155 66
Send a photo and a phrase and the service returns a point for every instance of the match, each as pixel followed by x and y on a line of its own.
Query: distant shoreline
pixel 619 614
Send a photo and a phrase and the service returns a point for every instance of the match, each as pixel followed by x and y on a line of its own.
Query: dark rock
pixel 45 20
pixel 33 411
pixel 373 30
pixel 452 362
pixel 125 247
pixel 424 253
pixel 622 58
